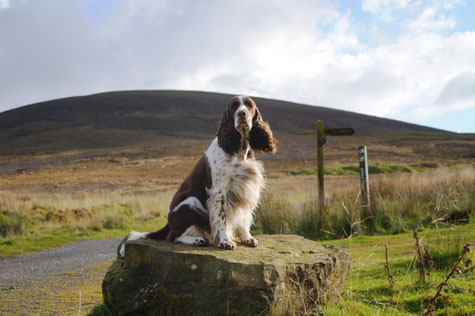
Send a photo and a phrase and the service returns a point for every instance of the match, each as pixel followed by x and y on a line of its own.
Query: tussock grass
pixel 11 223
pixel 42 221
pixel 440 197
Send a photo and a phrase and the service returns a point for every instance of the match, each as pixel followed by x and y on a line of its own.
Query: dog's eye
pixel 234 106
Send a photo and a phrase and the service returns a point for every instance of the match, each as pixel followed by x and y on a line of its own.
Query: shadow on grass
pixel 101 310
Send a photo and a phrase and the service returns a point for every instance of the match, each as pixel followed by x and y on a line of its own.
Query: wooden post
pixel 321 140
pixel 363 158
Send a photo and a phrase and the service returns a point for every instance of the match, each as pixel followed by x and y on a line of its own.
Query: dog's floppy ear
pixel 260 136
pixel 229 138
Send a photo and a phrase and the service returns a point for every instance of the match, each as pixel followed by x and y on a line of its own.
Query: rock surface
pixel 286 274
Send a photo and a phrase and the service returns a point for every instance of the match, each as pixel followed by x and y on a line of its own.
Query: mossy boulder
pixel 285 274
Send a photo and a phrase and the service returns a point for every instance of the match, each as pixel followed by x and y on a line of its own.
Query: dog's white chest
pixel 239 181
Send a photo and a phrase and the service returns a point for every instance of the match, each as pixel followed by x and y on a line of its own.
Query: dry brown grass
pixel 137 183
pixel 45 213
pixel 398 201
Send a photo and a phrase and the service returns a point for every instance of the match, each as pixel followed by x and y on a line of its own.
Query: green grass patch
pixel 72 293
pixel 101 310
pixel 11 223
pixel 355 170
pixel 367 290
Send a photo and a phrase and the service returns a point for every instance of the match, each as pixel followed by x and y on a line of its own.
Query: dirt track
pixel 71 257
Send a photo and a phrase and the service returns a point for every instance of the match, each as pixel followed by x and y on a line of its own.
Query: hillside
pixel 126 118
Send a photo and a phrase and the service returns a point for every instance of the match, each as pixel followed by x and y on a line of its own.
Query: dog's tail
pixel 160 234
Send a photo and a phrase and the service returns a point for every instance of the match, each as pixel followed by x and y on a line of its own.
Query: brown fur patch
pixel 229 139
pixel 260 136
pixel 195 184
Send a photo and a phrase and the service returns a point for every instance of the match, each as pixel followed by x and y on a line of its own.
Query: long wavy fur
pixel 229 138
pixel 260 136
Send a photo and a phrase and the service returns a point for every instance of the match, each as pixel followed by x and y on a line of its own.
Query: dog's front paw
pixel 227 245
pixel 252 242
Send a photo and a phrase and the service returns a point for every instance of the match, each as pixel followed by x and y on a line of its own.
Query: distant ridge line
pixel 122 118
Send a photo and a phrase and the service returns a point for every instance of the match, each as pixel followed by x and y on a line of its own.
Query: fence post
pixel 321 140
pixel 363 158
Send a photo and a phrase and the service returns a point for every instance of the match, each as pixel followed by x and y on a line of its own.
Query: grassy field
pixel 355 170
pixel 367 290
pixel 50 200
pixel 59 294
pixel 440 202
pixel 44 222
pixel 398 202
pixel 33 218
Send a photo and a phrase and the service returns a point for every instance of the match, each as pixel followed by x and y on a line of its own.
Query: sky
pixel 410 60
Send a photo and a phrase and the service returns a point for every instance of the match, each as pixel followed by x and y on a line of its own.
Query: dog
pixel 216 202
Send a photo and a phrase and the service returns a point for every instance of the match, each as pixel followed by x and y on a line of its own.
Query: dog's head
pixel 243 121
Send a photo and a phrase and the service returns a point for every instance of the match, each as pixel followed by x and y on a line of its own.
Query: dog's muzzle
pixel 242 121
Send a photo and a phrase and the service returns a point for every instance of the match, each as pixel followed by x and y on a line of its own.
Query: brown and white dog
pixel 216 201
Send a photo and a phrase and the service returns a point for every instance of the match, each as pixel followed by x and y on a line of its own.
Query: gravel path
pixel 59 260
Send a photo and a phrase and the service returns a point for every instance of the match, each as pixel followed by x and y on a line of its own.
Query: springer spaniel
pixel 215 204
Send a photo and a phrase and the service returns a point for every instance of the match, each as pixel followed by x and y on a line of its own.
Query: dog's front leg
pixel 243 231
pixel 219 223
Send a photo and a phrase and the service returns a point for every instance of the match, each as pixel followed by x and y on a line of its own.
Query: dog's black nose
pixel 242 114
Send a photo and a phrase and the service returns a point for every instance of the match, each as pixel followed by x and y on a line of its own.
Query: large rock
pixel 286 274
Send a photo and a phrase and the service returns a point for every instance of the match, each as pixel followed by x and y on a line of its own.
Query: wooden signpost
pixel 363 159
pixel 321 140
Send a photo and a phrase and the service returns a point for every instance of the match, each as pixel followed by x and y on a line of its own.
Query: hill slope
pixel 137 117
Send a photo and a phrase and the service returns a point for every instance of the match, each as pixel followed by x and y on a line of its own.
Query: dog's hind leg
pixel 193 237
pixel 185 215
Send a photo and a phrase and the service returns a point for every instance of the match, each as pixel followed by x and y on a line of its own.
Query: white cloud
pixel 432 19
pixel 4 4
pixel 457 93
pixel 376 6
pixel 384 9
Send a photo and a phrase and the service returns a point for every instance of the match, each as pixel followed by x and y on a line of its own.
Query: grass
pixel 107 197
pixel 101 310
pixel 59 294
pixel 368 292
pixel 397 204
pixel 440 202
pixel 372 169
pixel 40 221
pixel 39 224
